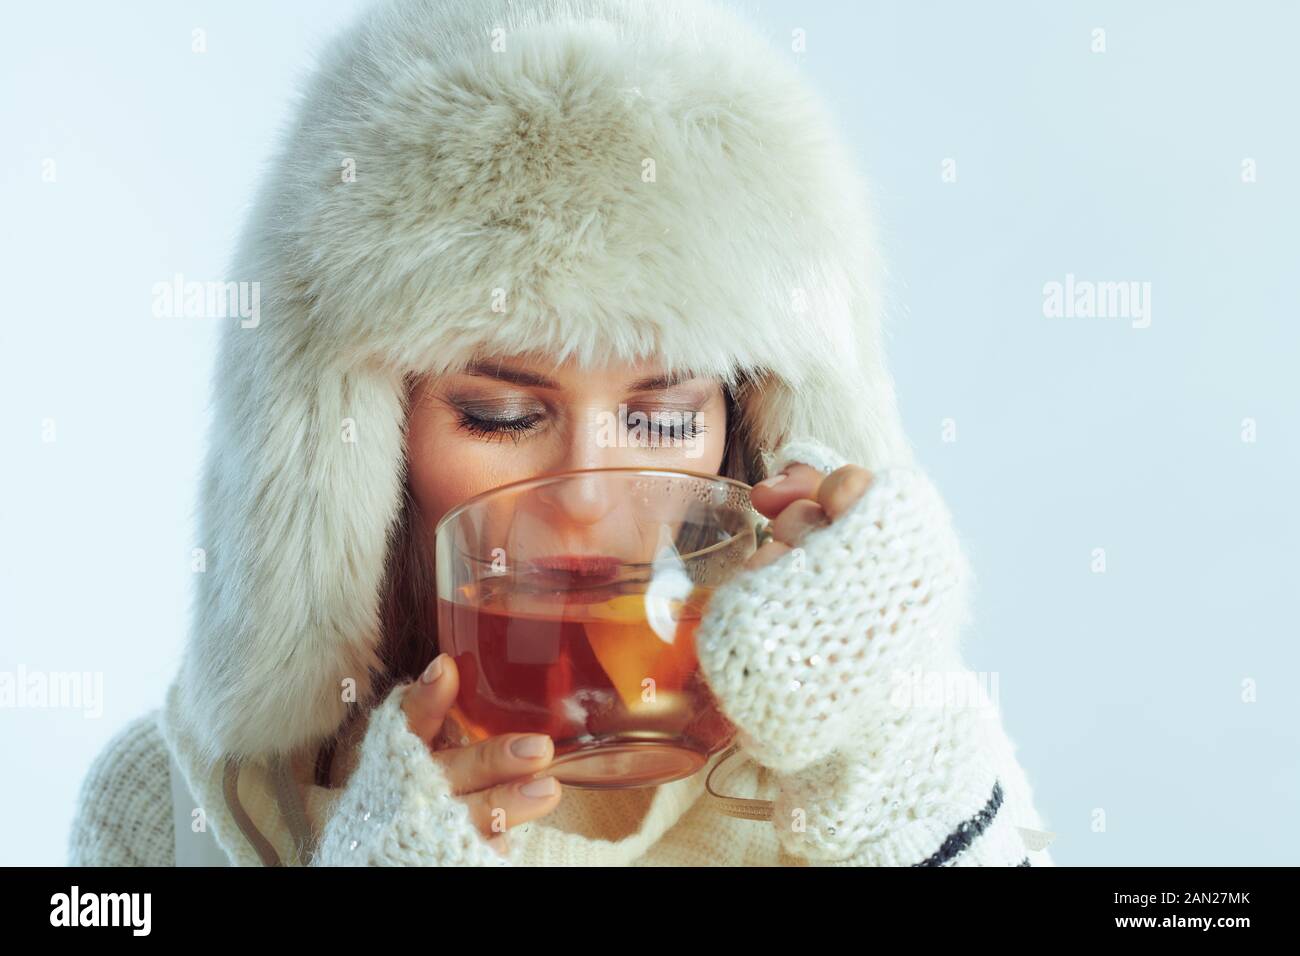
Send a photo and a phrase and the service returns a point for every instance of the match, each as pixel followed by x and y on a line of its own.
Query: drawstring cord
pixel 230 786
pixel 289 799
pixel 295 814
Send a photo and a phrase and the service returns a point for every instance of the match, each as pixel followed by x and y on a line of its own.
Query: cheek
pixel 447 465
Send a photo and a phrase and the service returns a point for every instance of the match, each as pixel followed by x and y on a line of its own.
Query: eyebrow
pixel 519 376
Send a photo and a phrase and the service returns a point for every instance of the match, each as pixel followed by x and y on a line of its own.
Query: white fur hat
pixel 630 178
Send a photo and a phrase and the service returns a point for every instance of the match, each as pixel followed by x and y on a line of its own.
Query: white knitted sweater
pixel 837 664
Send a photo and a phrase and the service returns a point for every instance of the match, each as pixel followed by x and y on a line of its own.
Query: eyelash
pixel 511 427
pixel 489 427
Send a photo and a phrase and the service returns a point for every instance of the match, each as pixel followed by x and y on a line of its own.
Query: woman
pixel 486 224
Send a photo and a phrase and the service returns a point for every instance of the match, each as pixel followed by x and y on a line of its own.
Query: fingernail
pixel 433 671
pixel 544 787
pixel 534 745
pixel 774 480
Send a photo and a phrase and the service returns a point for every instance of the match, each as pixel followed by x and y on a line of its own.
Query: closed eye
pixel 497 429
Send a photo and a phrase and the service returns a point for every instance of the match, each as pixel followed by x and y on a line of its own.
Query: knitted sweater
pixel 836 663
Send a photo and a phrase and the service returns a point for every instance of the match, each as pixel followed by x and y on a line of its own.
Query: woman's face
pixel 513 418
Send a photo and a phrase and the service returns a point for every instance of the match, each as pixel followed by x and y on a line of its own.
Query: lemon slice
pixel 625 644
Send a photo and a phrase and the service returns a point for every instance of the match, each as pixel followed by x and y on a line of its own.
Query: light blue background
pixel 1122 690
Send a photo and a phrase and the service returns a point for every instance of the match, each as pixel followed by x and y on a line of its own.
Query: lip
pixel 581 569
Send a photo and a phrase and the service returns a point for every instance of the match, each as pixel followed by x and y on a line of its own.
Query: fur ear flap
pixel 303 479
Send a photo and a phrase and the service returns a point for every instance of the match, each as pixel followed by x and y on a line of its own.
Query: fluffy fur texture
pixel 500 154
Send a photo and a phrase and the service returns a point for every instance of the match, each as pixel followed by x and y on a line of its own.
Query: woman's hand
pixel 496 778
pixel 861 586
pixel 800 499
pixel 410 797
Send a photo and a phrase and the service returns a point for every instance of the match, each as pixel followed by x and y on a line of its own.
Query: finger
pixel 769 552
pixel 842 489
pixel 796 520
pixel 498 759
pixel 427 700
pixel 501 843
pixel 508 804
pixel 800 481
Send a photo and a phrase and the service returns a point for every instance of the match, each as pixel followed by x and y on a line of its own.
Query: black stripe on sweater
pixel 962 837
pixel 1024 862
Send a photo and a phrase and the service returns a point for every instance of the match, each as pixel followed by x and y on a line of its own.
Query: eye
pixel 666 428
pixel 497 429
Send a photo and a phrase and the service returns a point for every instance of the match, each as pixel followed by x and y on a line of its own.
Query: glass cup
pixel 570 603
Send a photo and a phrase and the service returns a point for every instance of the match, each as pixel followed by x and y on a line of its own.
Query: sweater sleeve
pixel 838 662
pixel 124 810
pixel 939 789
pixel 398 808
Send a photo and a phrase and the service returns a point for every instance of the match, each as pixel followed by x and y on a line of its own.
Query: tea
pixel 586 667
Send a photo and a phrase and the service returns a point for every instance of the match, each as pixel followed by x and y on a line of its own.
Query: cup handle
pixel 745 808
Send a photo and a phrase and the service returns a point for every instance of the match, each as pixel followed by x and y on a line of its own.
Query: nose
pixel 580 500
pixel 583 500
